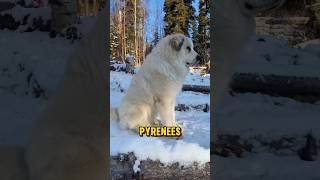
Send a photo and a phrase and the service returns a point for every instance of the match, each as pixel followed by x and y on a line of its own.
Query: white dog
pixel 154 88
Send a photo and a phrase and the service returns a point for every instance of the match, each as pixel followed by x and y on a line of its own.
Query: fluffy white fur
pixel 154 88
pixel 69 142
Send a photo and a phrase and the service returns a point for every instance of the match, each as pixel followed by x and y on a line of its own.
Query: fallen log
pixel 156 170
pixel 305 89
pixel 196 88
pixel 189 107
pixel 300 88
pixel 122 168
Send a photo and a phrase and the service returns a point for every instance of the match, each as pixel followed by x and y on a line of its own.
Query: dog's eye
pixel 188 48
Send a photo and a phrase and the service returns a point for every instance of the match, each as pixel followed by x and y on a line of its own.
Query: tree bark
pixel 94 7
pixel 276 85
pixel 87 7
pixel 124 32
pixel 197 88
pixel 135 32
pixel 306 89
pixel 121 168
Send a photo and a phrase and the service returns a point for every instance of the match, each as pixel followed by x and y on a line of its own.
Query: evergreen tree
pixel 202 37
pixel 176 17
pixel 191 19
pixel 155 37
pixel 114 40
pixel 194 27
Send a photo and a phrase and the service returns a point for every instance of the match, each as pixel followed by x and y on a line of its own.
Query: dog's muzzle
pixel 195 62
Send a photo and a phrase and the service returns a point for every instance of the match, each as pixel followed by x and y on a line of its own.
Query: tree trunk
pixel 121 34
pixel 276 85
pixel 122 168
pixel 94 7
pixel 124 31
pixel 135 32
pixel 197 88
pixel 143 35
pixel 87 7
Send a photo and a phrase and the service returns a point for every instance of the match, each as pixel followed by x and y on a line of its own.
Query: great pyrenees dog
pixel 154 88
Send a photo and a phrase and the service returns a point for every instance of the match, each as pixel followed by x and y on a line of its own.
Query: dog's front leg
pixel 166 111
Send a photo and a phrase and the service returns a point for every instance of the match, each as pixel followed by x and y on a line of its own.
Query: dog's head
pixel 180 50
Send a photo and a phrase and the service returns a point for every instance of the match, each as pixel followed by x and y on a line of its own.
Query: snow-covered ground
pixel 31 66
pixel 195 144
pixel 261 120
pixel 27 60
pixel 266 55
pixel 265 166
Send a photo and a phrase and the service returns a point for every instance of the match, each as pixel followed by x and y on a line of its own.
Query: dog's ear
pixel 176 43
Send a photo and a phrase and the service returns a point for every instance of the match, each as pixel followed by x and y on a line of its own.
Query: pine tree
pixel 194 27
pixel 176 17
pixel 202 37
pixel 191 19
pixel 114 40
pixel 155 37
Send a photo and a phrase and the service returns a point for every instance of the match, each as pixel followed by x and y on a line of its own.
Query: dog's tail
pixel 114 114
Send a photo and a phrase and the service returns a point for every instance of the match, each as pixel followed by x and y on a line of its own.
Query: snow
pixel 19 12
pixel 136 166
pixel 265 55
pixel 24 54
pixel 251 114
pixel 265 166
pixel 195 126
pixel 256 116
pixel 196 79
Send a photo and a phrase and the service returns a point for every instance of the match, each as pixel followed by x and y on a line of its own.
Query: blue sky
pixel 152 6
pixel 153 19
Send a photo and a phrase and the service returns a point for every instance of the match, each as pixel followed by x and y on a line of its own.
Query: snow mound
pixel 265 55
